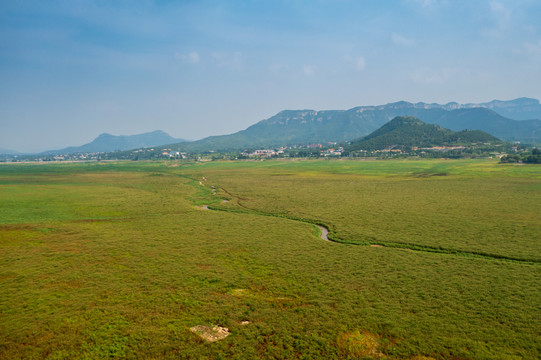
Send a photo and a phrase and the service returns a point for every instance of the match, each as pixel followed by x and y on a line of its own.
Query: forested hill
pixel 408 131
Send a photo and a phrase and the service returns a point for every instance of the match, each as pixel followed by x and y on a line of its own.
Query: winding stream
pixel 325 236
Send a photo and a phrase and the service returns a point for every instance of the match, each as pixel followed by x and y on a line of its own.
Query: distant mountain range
pixel 8 151
pixel 408 131
pixel 518 109
pixel 309 126
pixel 108 143
pixel 514 120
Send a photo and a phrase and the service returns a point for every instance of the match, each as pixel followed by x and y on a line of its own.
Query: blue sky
pixel 70 70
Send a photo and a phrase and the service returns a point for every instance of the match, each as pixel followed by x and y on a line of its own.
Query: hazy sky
pixel 70 70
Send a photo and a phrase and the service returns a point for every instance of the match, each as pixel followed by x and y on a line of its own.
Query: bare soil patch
pixel 211 334
pixel 239 292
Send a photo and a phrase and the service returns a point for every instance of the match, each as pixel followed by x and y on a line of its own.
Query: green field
pixel 119 260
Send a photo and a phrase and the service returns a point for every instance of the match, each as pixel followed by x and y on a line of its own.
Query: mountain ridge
pixel 106 142
pixel 4 151
pixel 522 108
pixel 296 127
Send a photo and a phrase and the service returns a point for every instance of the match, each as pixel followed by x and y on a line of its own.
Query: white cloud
pixel 228 60
pixel 502 21
pixel 308 70
pixel 426 3
pixel 191 58
pixel 429 4
pixel 401 40
pixel 278 67
pixel 499 10
pixel 431 77
pixel 360 63
pixel 357 62
pixel 533 49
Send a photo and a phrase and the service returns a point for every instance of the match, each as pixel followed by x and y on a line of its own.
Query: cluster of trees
pixel 527 158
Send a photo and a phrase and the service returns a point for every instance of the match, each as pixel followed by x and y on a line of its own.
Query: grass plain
pixel 116 260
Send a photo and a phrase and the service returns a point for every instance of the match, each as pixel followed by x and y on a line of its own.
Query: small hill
pixel 107 143
pixel 408 131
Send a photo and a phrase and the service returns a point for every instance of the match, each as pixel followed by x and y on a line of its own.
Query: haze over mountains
pixel 514 120
pixel 107 143
pixel 518 109
pixel 8 151
pixel 309 126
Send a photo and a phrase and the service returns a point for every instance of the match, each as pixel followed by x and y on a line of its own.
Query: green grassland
pixel 117 260
pixel 467 206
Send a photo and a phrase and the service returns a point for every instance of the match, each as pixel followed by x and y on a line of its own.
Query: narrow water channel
pixel 324 232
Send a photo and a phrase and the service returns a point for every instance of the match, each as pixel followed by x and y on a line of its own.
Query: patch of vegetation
pixel 478 207
pixel 115 261
pixel 534 157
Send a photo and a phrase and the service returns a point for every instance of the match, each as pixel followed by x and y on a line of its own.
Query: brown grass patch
pixel 14 227
pixel 359 344
pixel 114 219
pixel 65 285
pixel 203 266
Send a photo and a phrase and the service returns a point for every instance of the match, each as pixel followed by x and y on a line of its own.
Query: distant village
pixel 283 151
pixel 317 150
